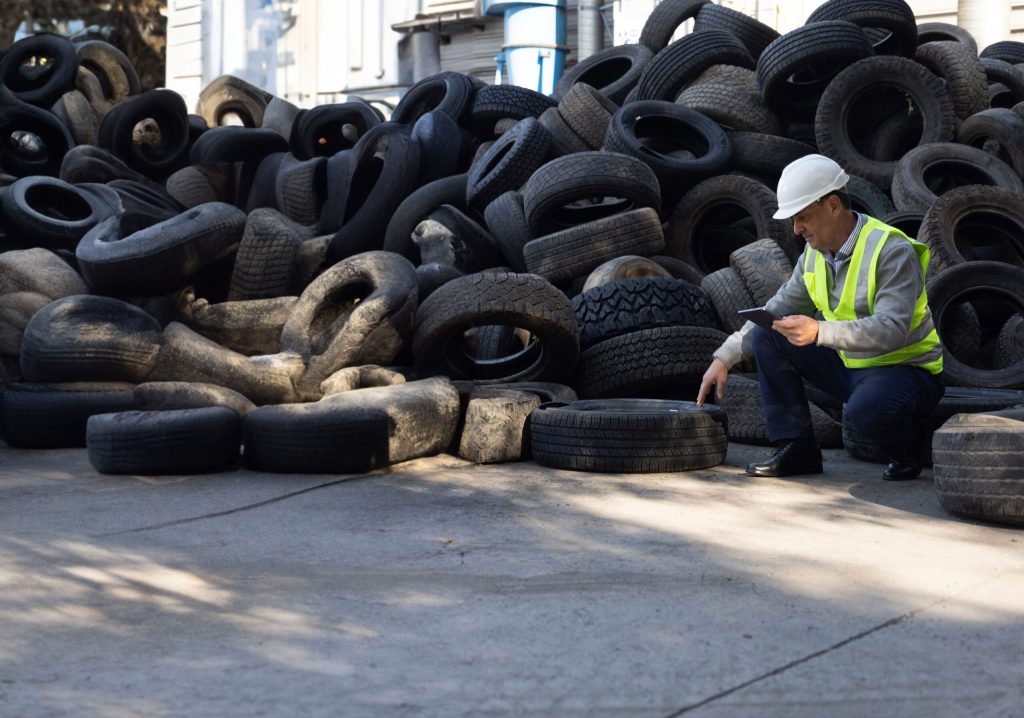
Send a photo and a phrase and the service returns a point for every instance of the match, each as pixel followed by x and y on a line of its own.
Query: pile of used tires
pixel 334 290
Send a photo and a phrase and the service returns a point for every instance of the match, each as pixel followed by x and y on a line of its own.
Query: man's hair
pixel 842 194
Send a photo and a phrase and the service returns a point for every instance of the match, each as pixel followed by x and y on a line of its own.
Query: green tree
pixel 137 27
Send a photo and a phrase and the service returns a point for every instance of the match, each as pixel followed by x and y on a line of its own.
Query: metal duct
pixel 589 30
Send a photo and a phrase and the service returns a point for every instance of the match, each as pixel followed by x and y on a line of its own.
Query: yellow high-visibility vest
pixel 857 300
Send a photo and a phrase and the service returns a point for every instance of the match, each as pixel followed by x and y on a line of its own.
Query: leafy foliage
pixel 137 27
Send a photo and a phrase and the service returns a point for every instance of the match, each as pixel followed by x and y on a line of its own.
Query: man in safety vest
pixel 875 348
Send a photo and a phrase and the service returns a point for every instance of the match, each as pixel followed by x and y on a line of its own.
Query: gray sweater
pixel 899 283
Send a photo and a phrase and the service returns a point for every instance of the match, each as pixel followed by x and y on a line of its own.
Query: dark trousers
pixel 884 404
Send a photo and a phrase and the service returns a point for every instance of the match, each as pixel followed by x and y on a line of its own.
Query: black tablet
pixel 759 316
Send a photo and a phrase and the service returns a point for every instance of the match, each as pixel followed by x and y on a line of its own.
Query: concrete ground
pixel 440 588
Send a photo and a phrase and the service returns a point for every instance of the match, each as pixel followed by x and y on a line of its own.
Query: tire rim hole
pixel 986 235
pixel 607 72
pixel 147 139
pixel 58 203
pixel 942 176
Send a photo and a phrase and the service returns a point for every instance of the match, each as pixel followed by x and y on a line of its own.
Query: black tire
pixel 87 163
pixel 43 140
pixel 754 35
pixel 448 92
pixel 963 72
pixel 681 145
pixel 58 69
pixel 164 395
pixel 721 202
pixel 195 185
pixel 450 236
pixel 564 141
pixel 186 355
pixel 265 260
pixel 629 305
pixel 361 377
pixel 494 427
pixel 743 405
pixel 48 212
pixel 229 95
pixel 506 221
pixel 763 267
pixel 54 416
pixel 431 276
pixel 235 144
pixel 89 338
pixel 665 19
pixel 628 435
pixel 1010 343
pixel 978 281
pixel 728 294
pixel 613 71
pixel 974 222
pixel 877 80
pixel 927 172
pixel 576 251
pixel 628 266
pixel 675 67
pixel 315 438
pixel 940 31
pixel 977 466
pixel 423 415
pixel 444 147
pixel 40 271
pixel 79 116
pixel 587 112
pixel 162 151
pixel 1010 77
pixel 868 198
pixel 553 197
pixel 1004 127
pixel 360 311
pixel 327 129
pixel 889 24
pixel 416 207
pixel 765 155
pixel 907 222
pixel 115 72
pixel 508 164
pixel 647 361
pixel 732 108
pixel 1011 51
pixel 678 268
pixel 495 102
pixel 301 189
pixel 175 441
pixel 160 258
pixel 794 70
pixel 521 300
pixel 384 172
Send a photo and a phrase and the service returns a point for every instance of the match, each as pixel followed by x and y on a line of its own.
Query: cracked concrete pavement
pixel 440 588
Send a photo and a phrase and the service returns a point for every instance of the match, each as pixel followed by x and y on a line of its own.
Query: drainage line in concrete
pixel 239 509
pixel 797 662
pixel 782 669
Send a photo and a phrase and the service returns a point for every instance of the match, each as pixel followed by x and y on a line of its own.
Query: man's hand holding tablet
pixel 759 316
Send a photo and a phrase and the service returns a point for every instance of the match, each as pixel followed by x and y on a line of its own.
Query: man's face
pixel 817 223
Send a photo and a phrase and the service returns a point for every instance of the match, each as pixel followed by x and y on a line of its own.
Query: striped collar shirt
pixel 834 260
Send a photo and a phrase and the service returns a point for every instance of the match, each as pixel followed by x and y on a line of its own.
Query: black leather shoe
pixel 901 471
pixel 799 456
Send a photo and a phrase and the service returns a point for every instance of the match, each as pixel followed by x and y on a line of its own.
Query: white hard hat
pixel 805 180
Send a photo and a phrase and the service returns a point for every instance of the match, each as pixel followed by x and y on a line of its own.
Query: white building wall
pixel 316 51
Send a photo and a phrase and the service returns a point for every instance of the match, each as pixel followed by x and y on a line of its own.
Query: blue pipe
pixel 535 42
